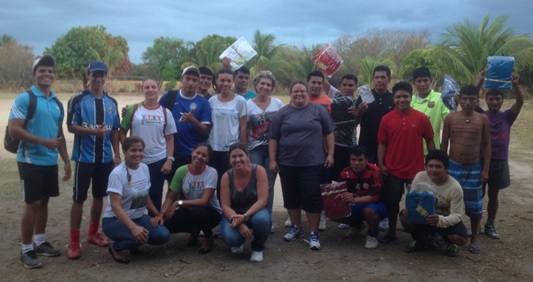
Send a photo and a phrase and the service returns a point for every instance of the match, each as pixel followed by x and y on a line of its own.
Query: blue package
pixel 420 204
pixel 499 72
pixel 449 88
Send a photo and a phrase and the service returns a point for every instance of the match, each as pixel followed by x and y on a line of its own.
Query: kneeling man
pixel 364 190
pixel 446 223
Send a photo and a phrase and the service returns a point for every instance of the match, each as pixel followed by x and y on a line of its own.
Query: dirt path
pixel 510 258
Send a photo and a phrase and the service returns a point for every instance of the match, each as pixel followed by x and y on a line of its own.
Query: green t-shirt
pixel 433 107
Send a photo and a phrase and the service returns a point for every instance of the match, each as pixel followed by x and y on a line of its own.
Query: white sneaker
pixel 237 250
pixel 314 242
pixel 384 224
pixel 288 222
pixel 371 242
pixel 256 256
pixel 322 224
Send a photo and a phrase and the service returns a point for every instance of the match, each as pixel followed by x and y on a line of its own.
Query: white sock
pixel 26 248
pixel 38 239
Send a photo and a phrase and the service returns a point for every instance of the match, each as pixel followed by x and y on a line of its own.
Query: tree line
pixel 462 53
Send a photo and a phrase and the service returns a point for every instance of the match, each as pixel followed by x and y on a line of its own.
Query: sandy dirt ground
pixel 341 258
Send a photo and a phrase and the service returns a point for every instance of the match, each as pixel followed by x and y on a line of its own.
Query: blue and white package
pixel 420 204
pixel 499 72
pixel 449 88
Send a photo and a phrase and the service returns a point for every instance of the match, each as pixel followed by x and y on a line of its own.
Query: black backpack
pixel 11 144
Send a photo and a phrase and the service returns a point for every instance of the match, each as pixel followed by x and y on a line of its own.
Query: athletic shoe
pixel 237 250
pixel 413 247
pixel 288 222
pixel 344 226
pixel 322 224
pixel 73 250
pixel 98 240
pixel 46 249
pixel 256 256
pixel 30 259
pixel 371 242
pixel 490 230
pixel 384 224
pixel 314 242
pixel 294 233
pixel 452 250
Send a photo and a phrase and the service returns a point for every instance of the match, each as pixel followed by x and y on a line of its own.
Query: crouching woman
pixel 124 220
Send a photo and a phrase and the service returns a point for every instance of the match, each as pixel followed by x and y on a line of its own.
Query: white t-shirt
pixel 148 124
pixel 259 121
pixel 134 192
pixel 194 185
pixel 225 120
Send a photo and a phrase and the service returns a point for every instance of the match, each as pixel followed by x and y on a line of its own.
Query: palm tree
pixel 467 46
pixel 368 64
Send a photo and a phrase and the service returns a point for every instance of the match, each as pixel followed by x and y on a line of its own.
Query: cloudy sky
pixel 39 23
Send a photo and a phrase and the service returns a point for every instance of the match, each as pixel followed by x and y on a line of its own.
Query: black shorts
pixel 499 176
pixel 458 229
pixel 301 187
pixel 38 182
pixel 394 187
pixel 84 173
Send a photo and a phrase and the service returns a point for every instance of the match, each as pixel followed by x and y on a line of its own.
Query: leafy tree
pixel 469 45
pixel 165 58
pixel 425 57
pixel 15 69
pixel 379 43
pixel 81 45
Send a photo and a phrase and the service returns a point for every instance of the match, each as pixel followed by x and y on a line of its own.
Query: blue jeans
pixel 261 158
pixel 115 230
pixel 260 223
pixel 157 180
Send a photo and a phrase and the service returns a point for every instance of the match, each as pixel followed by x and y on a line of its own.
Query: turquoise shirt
pixel 45 124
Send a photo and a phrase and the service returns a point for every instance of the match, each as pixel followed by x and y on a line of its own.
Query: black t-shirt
pixel 369 125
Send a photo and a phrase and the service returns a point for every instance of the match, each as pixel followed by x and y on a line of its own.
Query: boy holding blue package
pixel 500 130
pixel 446 221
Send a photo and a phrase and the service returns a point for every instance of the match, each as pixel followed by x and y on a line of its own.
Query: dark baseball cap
pixel 96 66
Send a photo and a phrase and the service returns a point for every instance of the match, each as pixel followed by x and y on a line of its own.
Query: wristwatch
pixel 171 158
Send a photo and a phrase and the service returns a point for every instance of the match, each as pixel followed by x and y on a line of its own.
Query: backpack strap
pixel 165 122
pixel 31 107
pixel 171 99
pixel 29 115
pixel 135 107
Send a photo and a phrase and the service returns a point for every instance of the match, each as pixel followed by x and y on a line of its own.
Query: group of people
pixel 221 152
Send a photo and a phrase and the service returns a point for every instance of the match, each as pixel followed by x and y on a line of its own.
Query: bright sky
pixel 39 23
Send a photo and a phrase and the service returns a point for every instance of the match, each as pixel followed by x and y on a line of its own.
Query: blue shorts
pixel 358 215
pixel 469 176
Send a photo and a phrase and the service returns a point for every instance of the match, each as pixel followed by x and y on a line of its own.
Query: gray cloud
pixel 296 22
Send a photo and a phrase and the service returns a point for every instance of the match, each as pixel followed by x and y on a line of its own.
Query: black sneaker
pixel 413 247
pixel 452 250
pixel 490 231
pixel 30 259
pixel 46 249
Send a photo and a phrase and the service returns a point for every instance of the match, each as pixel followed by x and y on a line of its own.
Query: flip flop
pixel 474 249
pixel 122 260
pixel 207 246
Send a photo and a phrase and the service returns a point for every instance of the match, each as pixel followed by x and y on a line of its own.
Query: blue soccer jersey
pixel 86 110
pixel 187 137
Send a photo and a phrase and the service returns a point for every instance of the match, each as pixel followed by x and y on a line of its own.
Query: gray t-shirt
pixel 300 133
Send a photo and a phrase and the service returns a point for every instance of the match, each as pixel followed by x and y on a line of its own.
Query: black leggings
pixel 193 220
